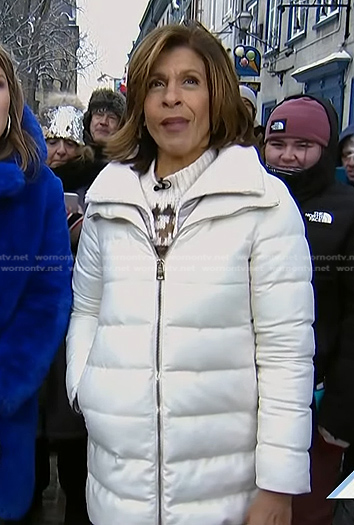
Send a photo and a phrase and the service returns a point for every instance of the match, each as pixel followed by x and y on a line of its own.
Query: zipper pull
pixel 160 270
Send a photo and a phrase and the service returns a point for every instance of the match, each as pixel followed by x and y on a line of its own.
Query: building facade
pixel 306 46
pixel 162 12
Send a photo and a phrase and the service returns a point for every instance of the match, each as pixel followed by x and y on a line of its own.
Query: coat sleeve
pixel 87 287
pixel 336 407
pixel 29 342
pixel 283 312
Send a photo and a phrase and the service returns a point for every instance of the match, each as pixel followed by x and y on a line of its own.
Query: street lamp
pixel 106 80
pixel 244 21
pixel 105 77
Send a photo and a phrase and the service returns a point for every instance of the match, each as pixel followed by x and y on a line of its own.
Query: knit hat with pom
pixel 302 118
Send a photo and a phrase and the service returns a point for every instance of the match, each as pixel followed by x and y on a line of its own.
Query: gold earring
pixel 8 127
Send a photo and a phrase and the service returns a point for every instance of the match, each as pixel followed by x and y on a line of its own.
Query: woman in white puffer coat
pixel 190 344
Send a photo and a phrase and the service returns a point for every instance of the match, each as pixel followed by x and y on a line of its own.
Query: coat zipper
pixel 160 277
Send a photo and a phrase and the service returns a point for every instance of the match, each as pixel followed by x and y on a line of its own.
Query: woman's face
pixel 177 109
pixel 60 151
pixel 4 102
pixel 292 153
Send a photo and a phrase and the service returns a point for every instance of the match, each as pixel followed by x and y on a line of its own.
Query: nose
pixel 172 95
pixel 288 154
pixel 104 119
pixel 61 149
pixel 350 159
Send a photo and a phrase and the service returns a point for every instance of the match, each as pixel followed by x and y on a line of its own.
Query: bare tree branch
pixel 45 43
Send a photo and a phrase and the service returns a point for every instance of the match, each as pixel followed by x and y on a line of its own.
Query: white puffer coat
pixel 194 374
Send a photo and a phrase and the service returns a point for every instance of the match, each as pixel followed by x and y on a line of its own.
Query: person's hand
pixel 270 508
pixel 330 440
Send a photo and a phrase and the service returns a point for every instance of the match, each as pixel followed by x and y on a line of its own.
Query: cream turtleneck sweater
pixel 164 202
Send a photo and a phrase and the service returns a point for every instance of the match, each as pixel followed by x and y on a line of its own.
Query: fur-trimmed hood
pixel 14 179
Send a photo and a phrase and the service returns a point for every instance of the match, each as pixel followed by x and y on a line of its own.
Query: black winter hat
pixel 105 99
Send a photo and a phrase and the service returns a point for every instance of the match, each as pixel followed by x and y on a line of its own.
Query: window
pixel 297 19
pixel 266 110
pixel 164 19
pixel 273 14
pixel 252 7
pixel 187 16
pixel 212 14
pixel 326 9
pixel 351 109
pixel 227 8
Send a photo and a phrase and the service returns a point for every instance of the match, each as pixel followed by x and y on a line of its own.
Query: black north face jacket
pixel 328 210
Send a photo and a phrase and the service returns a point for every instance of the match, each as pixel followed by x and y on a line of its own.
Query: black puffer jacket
pixel 328 209
pixel 57 420
pixel 78 175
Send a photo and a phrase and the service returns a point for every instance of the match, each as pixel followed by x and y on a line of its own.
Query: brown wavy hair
pixel 230 122
pixel 18 142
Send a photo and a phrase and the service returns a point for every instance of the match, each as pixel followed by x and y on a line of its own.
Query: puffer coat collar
pixel 235 173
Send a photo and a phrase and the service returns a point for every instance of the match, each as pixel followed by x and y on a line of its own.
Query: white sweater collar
pixel 236 169
pixel 180 181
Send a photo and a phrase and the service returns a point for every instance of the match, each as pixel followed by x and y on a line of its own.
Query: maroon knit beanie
pixel 302 118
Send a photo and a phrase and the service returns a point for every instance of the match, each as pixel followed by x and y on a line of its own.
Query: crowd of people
pixel 177 296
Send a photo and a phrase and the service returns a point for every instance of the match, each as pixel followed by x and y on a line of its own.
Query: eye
pixel 155 83
pixel 113 118
pixel 191 81
pixel 51 142
pixel 347 154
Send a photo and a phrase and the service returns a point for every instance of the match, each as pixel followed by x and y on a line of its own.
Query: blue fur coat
pixel 35 301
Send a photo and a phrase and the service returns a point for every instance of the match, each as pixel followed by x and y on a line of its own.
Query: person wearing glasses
pixel 103 118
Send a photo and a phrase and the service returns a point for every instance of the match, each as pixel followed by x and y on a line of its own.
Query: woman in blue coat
pixel 35 287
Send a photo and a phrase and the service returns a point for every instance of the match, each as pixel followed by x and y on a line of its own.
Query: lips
pixel 174 124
